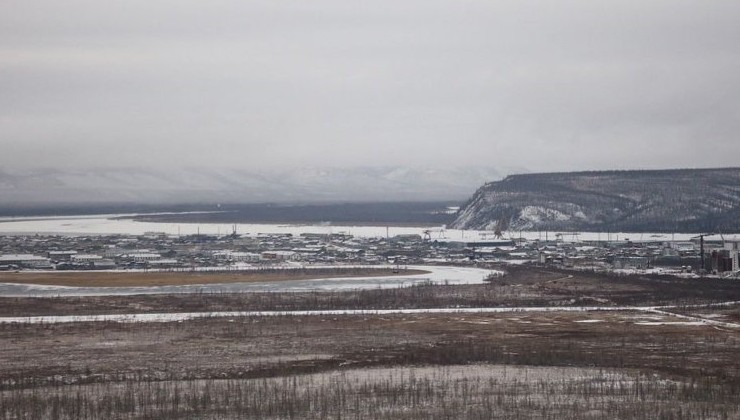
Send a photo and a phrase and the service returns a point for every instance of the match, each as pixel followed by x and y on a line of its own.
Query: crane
pixel 701 241
pixel 701 246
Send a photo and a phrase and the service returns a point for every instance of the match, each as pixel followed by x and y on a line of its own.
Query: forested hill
pixel 681 200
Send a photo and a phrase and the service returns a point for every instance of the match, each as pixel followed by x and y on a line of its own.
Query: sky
pixel 542 85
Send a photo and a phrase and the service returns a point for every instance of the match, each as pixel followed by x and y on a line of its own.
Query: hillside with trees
pixel 681 200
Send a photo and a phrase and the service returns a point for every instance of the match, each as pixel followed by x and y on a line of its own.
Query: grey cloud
pixel 544 85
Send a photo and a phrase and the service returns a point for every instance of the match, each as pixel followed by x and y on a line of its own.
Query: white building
pixel 85 258
pixel 113 252
pixel 142 257
pixel 24 260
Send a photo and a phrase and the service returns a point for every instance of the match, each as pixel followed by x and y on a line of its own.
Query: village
pixel 161 251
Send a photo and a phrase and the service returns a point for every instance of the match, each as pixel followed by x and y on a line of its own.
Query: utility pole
pixel 701 251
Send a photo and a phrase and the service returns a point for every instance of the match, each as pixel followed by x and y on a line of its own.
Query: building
pixel 720 260
pixel 163 263
pixel 733 248
pixel 142 257
pixel 682 246
pixel 721 253
pixel 103 264
pixel 235 256
pixel 61 255
pixel 631 262
pixel 85 258
pixel 24 261
pixel 278 256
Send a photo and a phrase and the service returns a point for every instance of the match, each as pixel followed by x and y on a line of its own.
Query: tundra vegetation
pixel 547 365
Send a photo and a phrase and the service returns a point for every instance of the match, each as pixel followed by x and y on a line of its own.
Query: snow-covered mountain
pixel 689 200
pixel 193 185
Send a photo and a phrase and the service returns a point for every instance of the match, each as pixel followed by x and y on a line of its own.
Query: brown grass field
pixel 142 279
pixel 528 365
pixel 518 365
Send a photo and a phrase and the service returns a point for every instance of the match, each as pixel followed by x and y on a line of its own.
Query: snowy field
pixel 659 318
pixel 106 225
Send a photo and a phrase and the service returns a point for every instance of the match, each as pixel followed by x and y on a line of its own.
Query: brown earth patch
pixel 252 347
pixel 139 279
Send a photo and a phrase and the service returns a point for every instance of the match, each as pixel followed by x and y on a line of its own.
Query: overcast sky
pixel 545 85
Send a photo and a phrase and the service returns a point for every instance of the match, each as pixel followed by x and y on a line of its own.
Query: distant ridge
pixel 43 187
pixel 675 200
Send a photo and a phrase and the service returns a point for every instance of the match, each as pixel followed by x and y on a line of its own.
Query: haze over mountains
pixel 684 200
pixel 227 185
pixel 680 200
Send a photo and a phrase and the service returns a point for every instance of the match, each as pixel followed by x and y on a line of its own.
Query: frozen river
pixel 107 225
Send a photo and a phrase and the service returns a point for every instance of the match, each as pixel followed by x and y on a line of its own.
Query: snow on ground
pixel 659 318
pixel 654 270
pixel 436 275
pixel 176 317
pixel 531 215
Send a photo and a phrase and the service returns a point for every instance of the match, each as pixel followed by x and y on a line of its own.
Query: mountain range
pixel 30 187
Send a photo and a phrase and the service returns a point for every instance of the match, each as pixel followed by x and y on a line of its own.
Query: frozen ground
pixel 646 315
pixel 185 316
pixel 436 275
